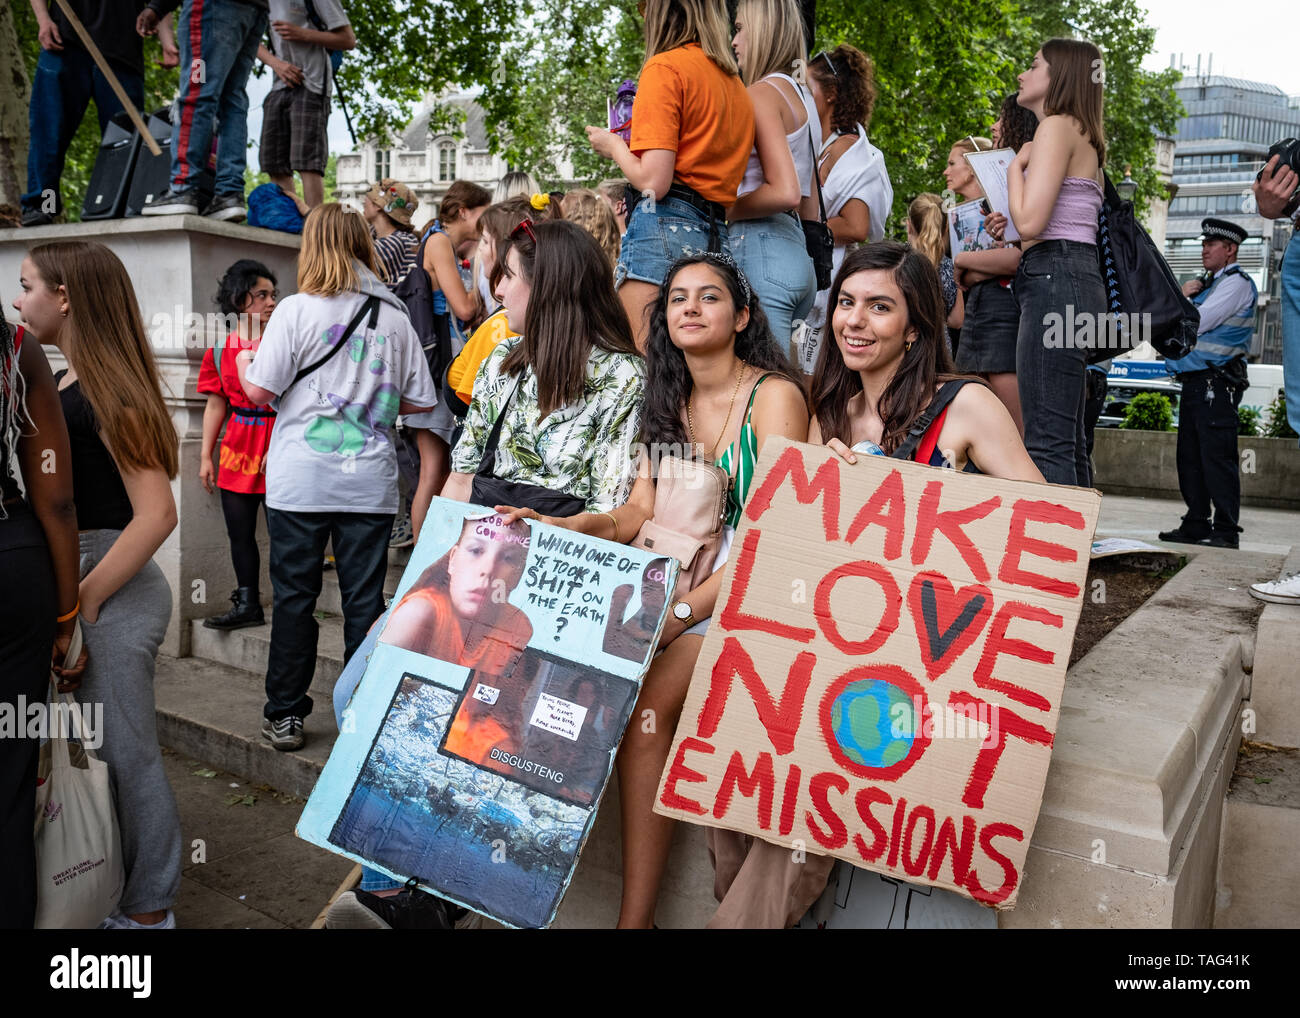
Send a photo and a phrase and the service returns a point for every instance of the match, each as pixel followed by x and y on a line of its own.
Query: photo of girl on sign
pixel 458 609
pixel 549 725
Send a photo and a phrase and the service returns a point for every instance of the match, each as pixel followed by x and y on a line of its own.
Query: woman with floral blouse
pixel 570 385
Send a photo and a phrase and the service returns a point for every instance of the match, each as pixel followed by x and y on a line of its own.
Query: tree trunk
pixel 15 94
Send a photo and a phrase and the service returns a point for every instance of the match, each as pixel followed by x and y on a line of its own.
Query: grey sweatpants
pixel 122 644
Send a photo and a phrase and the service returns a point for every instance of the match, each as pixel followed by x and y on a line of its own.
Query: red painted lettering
pixel 733 619
pixel 961 853
pixel 929 519
pixel 900 811
pixel 1004 723
pixel 914 866
pixel 888 618
pixel 781 722
pixel 864 800
pixel 680 772
pixel 836 835
pixel 736 778
pixel 885 508
pixel 1009 874
pixel 1018 544
pixel 998 643
pixel 790 800
pixel 826 482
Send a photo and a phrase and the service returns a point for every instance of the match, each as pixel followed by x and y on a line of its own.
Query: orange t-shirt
pixel 464 369
pixel 686 103
pixel 498 644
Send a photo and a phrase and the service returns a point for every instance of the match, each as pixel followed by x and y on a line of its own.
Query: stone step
pixel 213 712
pixel 248 650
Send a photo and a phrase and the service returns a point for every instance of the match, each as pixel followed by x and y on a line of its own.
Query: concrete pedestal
pixel 175 263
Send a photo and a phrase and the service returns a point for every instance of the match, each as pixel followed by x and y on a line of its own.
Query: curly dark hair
pixel 669 382
pixel 847 78
pixel 1018 123
pixel 240 278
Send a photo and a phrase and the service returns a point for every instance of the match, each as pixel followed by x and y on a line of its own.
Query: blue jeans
pixel 62 89
pixel 360 543
pixel 1058 285
pixel 654 240
pixel 212 91
pixel 1291 329
pixel 773 255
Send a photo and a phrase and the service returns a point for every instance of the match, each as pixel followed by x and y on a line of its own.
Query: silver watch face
pixel 682 610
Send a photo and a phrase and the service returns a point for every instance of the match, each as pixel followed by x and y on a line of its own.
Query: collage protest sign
pixel 477 746
pixel 882 677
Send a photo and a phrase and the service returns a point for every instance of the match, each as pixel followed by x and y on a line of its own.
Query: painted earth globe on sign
pixel 873 721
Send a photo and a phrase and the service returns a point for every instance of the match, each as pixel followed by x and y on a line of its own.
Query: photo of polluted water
pixel 476 837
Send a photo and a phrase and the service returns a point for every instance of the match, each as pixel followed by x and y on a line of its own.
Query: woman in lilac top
pixel 1055 194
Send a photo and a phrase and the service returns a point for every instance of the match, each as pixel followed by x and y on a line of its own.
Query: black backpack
pixel 434 330
pixel 1139 282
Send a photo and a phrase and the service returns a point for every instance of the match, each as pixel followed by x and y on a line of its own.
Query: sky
pixel 1252 39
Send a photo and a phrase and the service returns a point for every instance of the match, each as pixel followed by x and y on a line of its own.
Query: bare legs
pixel 647 836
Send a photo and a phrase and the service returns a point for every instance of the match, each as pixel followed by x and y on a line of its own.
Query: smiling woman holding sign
pixel 888 382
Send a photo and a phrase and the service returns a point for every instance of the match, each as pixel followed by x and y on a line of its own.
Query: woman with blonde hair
pixel 778 190
pixel 1055 192
pixel 692 130
pixel 123 456
pixel 987 346
pixel 343 361
pixel 589 210
pixel 927 232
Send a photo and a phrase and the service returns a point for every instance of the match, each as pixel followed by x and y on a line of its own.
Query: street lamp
pixel 1127 187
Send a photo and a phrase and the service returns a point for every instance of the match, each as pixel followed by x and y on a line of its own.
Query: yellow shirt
pixel 464 369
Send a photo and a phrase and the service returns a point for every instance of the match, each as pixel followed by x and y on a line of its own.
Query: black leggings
pixel 240 511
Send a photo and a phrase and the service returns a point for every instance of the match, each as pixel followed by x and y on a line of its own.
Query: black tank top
pixel 97 488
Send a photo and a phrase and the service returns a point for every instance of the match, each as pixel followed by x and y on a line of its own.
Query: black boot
pixel 247 611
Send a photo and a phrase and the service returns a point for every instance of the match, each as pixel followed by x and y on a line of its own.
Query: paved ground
pixel 244 868
pixel 255 873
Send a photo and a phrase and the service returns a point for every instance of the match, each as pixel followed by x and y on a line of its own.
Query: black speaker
pixel 111 177
pixel 152 174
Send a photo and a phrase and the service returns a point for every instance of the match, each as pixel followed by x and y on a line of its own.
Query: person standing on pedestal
pixel 67 78
pixel 1213 377
pixel 295 116
pixel 218 43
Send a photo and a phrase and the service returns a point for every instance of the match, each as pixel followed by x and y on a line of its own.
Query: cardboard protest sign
pixel 883 673
pixel 478 744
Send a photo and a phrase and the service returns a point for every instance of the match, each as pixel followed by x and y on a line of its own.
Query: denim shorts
pixel 773 254
pixel 655 239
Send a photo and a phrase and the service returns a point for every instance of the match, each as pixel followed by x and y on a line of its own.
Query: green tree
pixel 1149 411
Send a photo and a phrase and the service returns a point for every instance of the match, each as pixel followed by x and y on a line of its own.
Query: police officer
pixel 1213 378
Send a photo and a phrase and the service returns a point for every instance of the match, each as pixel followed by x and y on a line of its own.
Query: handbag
pixel 488 490
pixel 817 236
pixel 690 505
pixel 79 871
pixel 1139 281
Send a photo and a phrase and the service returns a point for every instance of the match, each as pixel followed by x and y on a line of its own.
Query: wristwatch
pixel 683 613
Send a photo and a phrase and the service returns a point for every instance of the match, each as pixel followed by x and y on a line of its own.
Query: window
pixel 383 163
pixel 447 161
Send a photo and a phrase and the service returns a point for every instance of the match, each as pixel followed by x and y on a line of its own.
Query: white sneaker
pixel 1283 591
pixel 403 536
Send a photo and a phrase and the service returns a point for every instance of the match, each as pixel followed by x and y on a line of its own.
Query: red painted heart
pixel 946 620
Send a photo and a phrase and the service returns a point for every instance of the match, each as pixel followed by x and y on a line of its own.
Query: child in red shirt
pixel 247 291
